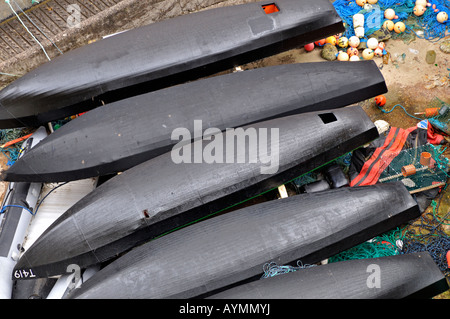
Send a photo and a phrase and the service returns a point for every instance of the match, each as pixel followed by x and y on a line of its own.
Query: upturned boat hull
pixel 16 212
pixel 162 54
pixel 33 289
pixel 401 276
pixel 164 193
pixel 233 248
pixel 115 138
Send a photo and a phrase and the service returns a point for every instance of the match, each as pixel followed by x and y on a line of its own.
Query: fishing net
pixel 420 168
pixel 387 244
pixel 12 152
pixel 427 24
pixel 430 232
pixel 433 30
pixel 272 269
pixel 442 120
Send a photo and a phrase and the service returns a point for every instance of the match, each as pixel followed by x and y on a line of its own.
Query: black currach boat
pixel 162 54
pixel 123 134
pixel 163 194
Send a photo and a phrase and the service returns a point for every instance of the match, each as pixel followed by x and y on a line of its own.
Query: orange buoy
pixel 430 112
pixel 388 24
pixel 399 27
pixel 351 51
pixel 331 40
pixel 309 47
pixel 380 100
pixel 448 259
pixel 425 158
pixel 408 170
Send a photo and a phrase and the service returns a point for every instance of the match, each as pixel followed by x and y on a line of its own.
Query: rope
pixel 2 211
pixel 373 17
pixel 426 234
pixel 12 152
pixel 8 74
pixel 37 207
pixel 272 269
pixel 383 245
pixel 442 162
pixel 45 52
pixel 387 112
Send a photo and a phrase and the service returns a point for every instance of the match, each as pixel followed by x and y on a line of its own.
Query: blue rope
pixel 403 9
pixel 387 112
pixel 436 247
pixel 435 241
pixel 2 211
pixel 37 208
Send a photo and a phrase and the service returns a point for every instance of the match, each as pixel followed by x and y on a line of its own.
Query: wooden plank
pixel 88 5
pixel 5 44
pixel 56 204
pixel 15 33
pixel 18 26
pixel 40 16
pixel 11 45
pixel 57 14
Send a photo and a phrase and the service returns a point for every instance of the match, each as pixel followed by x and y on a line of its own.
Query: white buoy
pixel 358 20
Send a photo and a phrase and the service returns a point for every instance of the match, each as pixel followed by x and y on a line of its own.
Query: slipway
pixel 162 194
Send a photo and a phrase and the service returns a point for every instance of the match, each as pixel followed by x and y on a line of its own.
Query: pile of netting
pixel 272 269
pixel 431 29
pixel 387 244
pixel 12 151
pixel 442 120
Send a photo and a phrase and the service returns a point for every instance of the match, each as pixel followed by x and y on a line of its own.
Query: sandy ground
pixel 410 80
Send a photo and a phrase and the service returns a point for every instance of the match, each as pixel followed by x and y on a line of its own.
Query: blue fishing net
pixel 12 152
pixel 442 120
pixel 374 16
